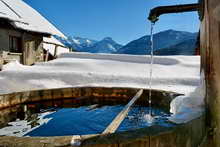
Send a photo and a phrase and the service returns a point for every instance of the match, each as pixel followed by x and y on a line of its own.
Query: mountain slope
pixel 107 45
pixel 163 39
pixel 186 47
pixel 77 43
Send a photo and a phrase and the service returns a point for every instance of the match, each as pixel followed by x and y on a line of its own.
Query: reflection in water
pixel 61 118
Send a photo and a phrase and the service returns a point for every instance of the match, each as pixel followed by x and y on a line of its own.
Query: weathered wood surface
pixel 47 56
pixel 1 62
pixel 103 95
pixel 55 51
pixel 210 53
pixel 121 116
pixel 7 57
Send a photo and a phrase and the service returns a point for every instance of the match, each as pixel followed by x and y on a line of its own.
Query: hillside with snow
pixel 186 47
pixel 169 42
pixel 106 45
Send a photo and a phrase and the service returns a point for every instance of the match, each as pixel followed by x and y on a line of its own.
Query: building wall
pixel 33 48
pixel 4 38
pixel 32 45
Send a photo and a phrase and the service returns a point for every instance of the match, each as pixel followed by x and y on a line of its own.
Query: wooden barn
pixel 25 35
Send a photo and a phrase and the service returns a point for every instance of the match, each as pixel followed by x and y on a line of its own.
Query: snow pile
pixel 14 65
pixel 188 107
pixel 49 83
pixel 175 73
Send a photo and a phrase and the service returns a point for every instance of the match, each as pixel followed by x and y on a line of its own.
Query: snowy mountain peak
pixel 106 45
pixel 168 42
pixel 107 39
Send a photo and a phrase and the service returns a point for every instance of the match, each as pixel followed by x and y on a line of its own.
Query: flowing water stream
pixel 148 117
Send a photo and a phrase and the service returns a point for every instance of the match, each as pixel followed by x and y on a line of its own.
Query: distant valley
pixel 169 42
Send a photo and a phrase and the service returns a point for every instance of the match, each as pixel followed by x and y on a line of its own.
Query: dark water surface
pixel 83 120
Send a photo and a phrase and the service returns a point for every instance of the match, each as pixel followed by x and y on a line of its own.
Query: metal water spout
pixel 156 12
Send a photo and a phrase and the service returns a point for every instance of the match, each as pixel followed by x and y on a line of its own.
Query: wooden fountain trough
pixel 184 135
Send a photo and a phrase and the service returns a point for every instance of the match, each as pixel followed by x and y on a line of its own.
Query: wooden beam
pixel 55 44
pixel 55 51
pixel 121 116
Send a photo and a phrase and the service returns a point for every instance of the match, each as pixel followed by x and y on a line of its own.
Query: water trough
pixel 187 135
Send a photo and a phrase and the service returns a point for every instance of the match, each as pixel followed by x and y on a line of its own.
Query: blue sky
pixel 123 20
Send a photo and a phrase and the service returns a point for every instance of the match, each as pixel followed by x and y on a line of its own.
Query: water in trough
pixel 41 120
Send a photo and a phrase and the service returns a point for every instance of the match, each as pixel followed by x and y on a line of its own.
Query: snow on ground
pixel 173 73
pixel 179 74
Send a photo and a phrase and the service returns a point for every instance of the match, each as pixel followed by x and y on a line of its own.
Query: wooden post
pixel 210 53
pixel 1 61
pixel 121 116
pixel 47 56
pixel 55 51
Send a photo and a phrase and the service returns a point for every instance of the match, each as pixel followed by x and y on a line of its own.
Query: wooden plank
pixel 55 44
pixel 121 116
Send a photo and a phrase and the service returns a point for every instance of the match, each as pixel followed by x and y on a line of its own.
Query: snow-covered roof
pixel 51 47
pixel 24 17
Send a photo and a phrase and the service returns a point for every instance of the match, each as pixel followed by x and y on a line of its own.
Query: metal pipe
pixel 156 12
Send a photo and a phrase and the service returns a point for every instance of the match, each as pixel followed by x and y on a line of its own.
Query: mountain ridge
pixel 164 39
pixel 168 42
pixel 106 45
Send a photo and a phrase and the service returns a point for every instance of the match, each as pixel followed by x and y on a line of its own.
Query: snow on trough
pixel 171 73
